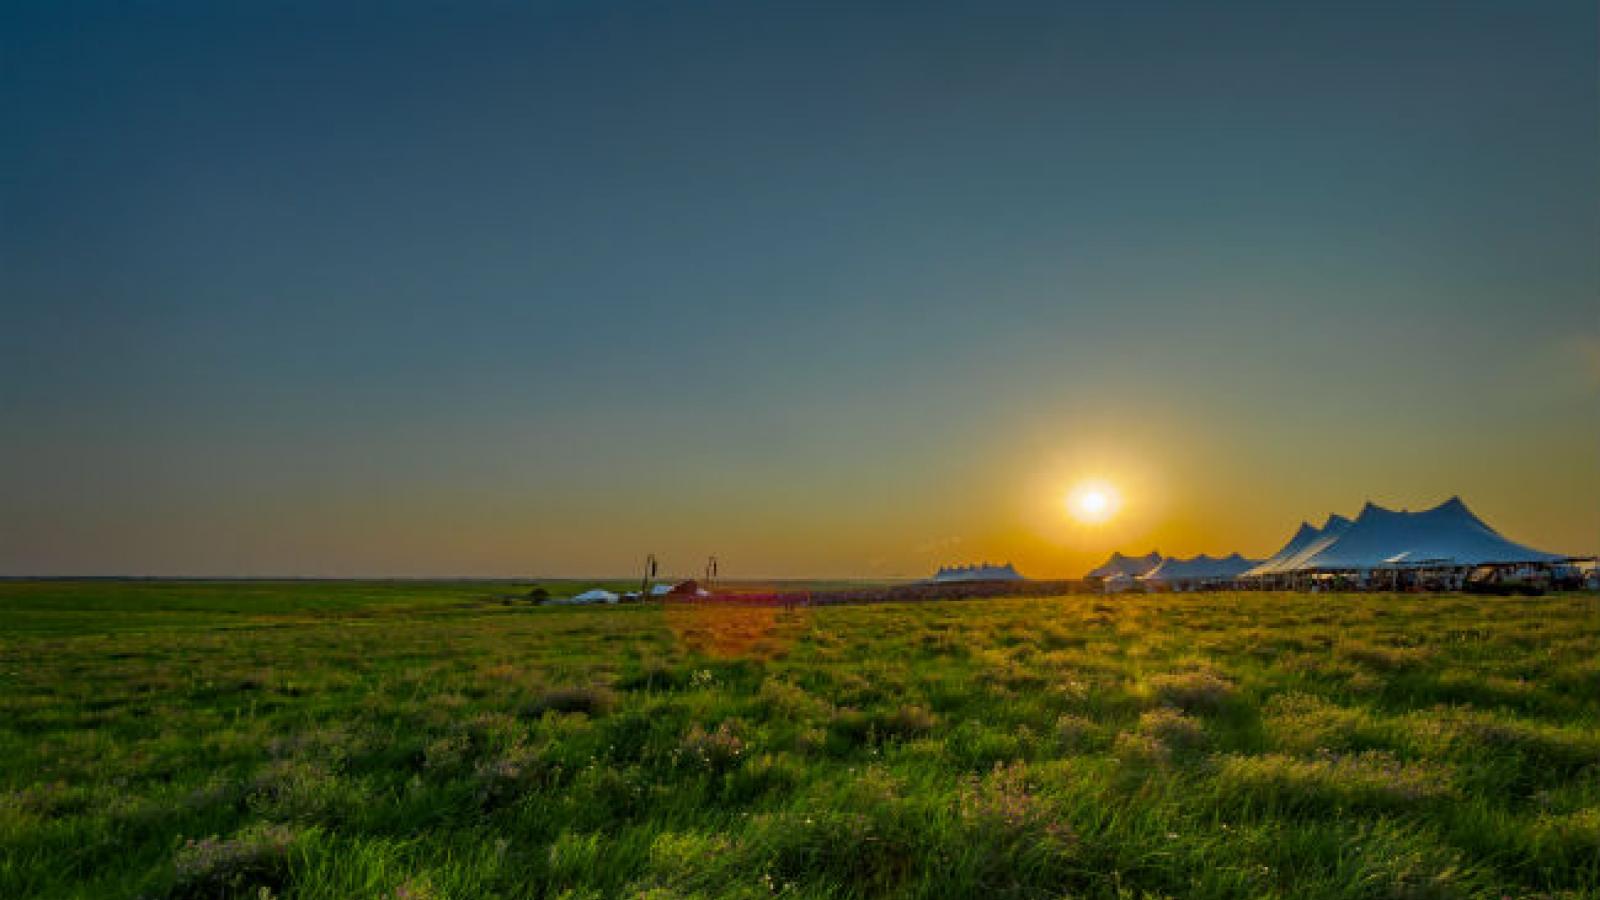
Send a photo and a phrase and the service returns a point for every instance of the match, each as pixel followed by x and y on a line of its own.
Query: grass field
pixel 339 740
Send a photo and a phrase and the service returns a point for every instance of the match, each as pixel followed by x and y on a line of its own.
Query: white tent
pixel 979 572
pixel 1446 536
pixel 1130 566
pixel 595 596
pixel 1307 542
pixel 1196 571
pixel 1119 582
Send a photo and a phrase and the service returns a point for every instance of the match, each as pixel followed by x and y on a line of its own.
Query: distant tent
pixel 1119 582
pixel 1130 566
pixel 979 572
pixel 1197 571
pixel 595 596
pixel 1447 536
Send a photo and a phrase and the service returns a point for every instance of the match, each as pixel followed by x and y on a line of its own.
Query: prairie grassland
pixel 322 740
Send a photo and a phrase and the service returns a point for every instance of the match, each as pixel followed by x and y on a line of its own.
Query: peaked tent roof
pixel 1331 532
pixel 1448 533
pixel 1199 567
pixel 1132 566
pixel 1305 535
pixel 1293 554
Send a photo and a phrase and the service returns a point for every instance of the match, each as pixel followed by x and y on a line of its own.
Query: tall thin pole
pixel 649 573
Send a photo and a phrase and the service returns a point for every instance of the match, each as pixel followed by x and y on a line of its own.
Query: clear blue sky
pixel 843 289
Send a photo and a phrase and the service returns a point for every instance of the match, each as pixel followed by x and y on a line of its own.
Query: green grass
pixel 408 740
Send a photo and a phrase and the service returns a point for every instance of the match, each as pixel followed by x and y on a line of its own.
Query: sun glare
pixel 1093 502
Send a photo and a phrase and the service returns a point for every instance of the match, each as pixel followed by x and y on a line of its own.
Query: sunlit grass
pixel 433 741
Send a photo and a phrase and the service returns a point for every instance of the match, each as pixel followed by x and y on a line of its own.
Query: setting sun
pixel 1093 502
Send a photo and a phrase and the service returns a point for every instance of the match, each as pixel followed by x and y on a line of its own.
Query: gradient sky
pixel 828 290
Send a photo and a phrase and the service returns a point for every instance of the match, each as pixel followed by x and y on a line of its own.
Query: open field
pixel 337 740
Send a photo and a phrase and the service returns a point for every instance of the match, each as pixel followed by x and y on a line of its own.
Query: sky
pixel 827 290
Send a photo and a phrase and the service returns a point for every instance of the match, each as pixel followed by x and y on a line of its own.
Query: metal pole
pixel 649 573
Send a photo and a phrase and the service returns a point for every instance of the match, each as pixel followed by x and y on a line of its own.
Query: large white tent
pixel 1306 543
pixel 1447 536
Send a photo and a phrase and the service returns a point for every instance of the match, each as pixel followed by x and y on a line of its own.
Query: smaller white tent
pixel 587 597
pixel 979 572
pixel 1129 566
pixel 1201 570
pixel 1119 582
